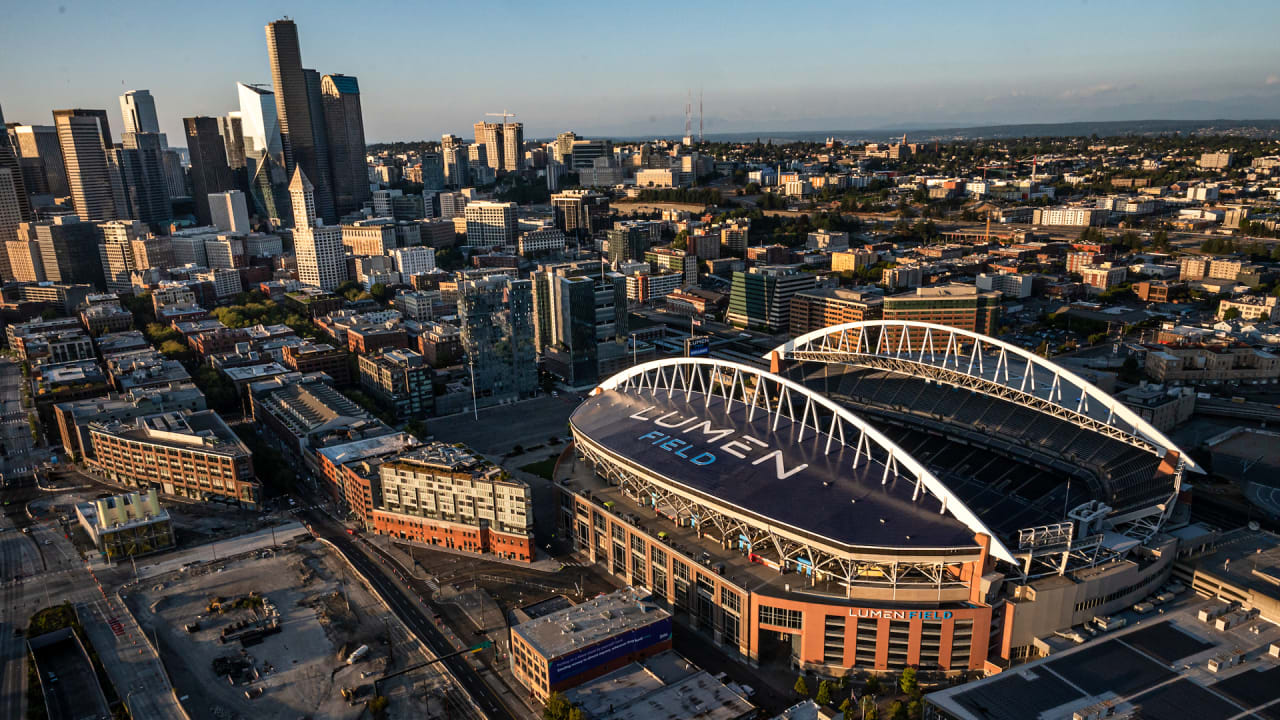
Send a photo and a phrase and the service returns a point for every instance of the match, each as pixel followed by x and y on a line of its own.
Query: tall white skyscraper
pixel 318 247
pixel 259 122
pixel 229 211
pixel 139 111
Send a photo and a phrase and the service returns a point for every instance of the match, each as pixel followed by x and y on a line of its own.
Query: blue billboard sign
pixel 697 346
pixel 615 647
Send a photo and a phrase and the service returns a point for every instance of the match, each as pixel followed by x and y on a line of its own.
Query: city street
pixel 15 429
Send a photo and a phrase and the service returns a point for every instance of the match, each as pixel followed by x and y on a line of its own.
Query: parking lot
pixel 323 615
pixel 502 427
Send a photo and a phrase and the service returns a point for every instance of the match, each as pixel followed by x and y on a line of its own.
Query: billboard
pixel 615 647
pixel 697 346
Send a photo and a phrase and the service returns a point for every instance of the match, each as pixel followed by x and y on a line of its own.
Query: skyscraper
pixel 229 211
pixel 512 146
pixel 10 219
pixel 496 318
pixel 139 111
pixel 345 125
pixel 209 170
pixel 491 224
pixel 146 187
pixel 231 128
pixel 116 252
pixel 294 109
pixel 318 247
pixel 68 249
pixel 41 159
pixel 489 135
pixel 432 172
pixel 264 152
pixel 84 136
pixel 454 151
pixel 9 159
pixel 325 208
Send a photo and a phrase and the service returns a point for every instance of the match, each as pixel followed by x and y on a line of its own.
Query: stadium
pixel 885 494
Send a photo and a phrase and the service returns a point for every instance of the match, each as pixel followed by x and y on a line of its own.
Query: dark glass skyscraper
pixel 209 170
pixel 145 184
pixel 294 108
pixel 345 125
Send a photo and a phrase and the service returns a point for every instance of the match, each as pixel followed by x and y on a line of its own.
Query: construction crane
pixel 504 115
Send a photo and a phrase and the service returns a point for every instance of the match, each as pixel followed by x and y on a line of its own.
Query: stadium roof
pixel 797 460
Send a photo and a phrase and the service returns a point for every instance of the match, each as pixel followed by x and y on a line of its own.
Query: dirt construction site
pixel 288 633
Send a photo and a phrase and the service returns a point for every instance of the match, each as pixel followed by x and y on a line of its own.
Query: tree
pixel 873 685
pixel 908 681
pixel 1231 314
pixel 824 693
pixel 846 709
pixel 380 293
pixel 897 711
pixel 915 710
pixel 801 687
pixel 558 708
pixel 869 709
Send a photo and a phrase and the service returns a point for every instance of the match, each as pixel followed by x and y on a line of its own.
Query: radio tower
pixel 699 116
pixel 688 118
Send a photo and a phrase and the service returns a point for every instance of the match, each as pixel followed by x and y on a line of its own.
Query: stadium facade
pixel 887 494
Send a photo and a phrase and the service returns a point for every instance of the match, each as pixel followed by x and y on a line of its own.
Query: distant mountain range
pixel 1253 128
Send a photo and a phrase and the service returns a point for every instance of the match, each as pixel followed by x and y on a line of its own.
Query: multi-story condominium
pixel 1011 285
pixel 512 146
pixel 318 248
pixel 495 316
pixel 412 261
pixel 1252 308
pixel 1071 216
pixel 491 224
pixel 454 155
pixel 446 495
pixel 50 347
pixel 453 204
pixel 1104 276
pixel 490 137
pixel 1077 261
pixel 188 454
pixel 677 261
pixel 369 237
pixel 575 312
pixel 210 172
pixel 225 281
pixel 704 245
pixel 73 418
pixel 344 124
pixel 828 240
pixel 761 296
pixel 853 260
pixel 225 252
pixel 824 307
pixel 960 306
pixel 400 380
pixel 84 137
pixel 629 240
pixel 144 368
pixel 299 108
pixel 646 288
pixel 312 357
pixel 736 237
pixel 547 239
pixel 1197 365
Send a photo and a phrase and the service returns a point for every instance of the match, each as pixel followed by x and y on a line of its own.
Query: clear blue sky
pixel 623 69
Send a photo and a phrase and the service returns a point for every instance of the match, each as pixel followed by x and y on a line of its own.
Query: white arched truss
pixel 823 421
pixel 984 364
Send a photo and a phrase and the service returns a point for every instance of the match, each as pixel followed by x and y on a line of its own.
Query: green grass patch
pixel 543 468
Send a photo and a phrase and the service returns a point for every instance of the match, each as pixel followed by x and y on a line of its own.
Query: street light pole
pixel 475 410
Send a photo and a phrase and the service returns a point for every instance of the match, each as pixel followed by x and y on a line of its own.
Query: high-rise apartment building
pixel 146 188
pixel 41 158
pixel 297 99
pixel 454 154
pixel 576 309
pixel 628 241
pixel 400 380
pixel 489 136
pixel 491 224
pixel 84 136
pixel 209 170
pixel 579 212
pixel 229 212
pixel 318 247
pixel 432 172
pixel 412 261
pixel 512 146
pixel 68 249
pixel 563 148
pixel 345 125
pixel 496 320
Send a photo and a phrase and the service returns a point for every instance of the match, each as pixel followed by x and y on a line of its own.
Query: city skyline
pixel 941 66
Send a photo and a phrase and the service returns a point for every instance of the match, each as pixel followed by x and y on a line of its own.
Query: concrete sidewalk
pixel 390 545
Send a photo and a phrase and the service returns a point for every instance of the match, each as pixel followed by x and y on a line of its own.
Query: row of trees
pixel 908 706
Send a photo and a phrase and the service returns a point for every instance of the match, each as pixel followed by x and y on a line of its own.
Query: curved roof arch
pixel 963 358
pixel 779 397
